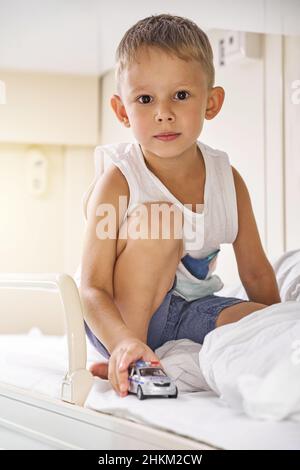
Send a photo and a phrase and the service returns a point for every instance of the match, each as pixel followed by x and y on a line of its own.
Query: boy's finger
pixel 131 356
pixel 123 381
pixel 126 359
pixel 113 376
pixel 121 376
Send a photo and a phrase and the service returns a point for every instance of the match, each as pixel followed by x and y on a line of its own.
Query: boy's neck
pixel 182 166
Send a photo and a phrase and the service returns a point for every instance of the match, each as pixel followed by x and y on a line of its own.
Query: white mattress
pixel 38 363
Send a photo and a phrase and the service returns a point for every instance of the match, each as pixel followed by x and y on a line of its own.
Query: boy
pixel 139 293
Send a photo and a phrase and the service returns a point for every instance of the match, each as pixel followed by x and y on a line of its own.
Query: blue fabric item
pixel 189 290
pixel 177 318
pixel 95 341
pixel 198 267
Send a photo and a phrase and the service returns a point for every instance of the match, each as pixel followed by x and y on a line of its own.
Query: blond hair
pixel 174 35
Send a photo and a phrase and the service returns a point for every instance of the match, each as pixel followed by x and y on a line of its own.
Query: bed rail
pixel 78 380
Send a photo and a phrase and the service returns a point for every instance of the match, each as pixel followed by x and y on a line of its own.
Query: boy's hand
pixel 127 351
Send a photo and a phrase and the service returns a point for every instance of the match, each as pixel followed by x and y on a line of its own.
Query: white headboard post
pixel 78 380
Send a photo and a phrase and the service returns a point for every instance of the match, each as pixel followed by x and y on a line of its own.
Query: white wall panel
pixel 274 156
pixel 49 109
pixel 292 140
pixel 239 131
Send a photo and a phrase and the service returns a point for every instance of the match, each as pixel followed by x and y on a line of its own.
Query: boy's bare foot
pixel 100 369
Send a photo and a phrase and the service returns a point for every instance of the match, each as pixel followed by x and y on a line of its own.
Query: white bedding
pixel 38 363
pixel 254 364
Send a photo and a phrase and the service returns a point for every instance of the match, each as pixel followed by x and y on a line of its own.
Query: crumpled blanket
pixel 180 360
pixel 253 364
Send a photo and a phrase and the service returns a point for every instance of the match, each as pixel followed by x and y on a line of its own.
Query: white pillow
pixel 287 270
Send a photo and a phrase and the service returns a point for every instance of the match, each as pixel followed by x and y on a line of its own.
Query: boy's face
pixel 162 93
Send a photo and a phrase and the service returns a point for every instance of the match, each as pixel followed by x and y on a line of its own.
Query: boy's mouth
pixel 165 136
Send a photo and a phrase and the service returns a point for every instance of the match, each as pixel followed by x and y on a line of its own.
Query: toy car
pixel 149 379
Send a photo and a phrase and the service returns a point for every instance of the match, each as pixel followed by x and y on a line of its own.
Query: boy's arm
pixel 97 288
pixel 98 260
pixel 255 271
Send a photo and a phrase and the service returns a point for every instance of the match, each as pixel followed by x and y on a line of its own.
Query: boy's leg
pixel 143 274
pixel 236 312
pixel 145 270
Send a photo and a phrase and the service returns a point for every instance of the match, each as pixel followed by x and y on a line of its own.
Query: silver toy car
pixel 149 379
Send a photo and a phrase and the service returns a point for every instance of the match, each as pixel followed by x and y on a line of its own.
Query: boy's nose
pixel 165 117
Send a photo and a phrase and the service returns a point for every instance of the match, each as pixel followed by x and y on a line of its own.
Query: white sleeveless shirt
pixel 203 231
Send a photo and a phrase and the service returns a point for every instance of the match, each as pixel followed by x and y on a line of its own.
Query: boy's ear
pixel 214 102
pixel 119 109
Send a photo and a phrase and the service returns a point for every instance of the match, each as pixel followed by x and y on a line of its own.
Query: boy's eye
pixel 180 93
pixel 143 96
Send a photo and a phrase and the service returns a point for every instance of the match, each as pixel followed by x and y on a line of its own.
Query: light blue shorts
pixel 177 318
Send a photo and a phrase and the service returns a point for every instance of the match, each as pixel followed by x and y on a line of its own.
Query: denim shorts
pixel 177 318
